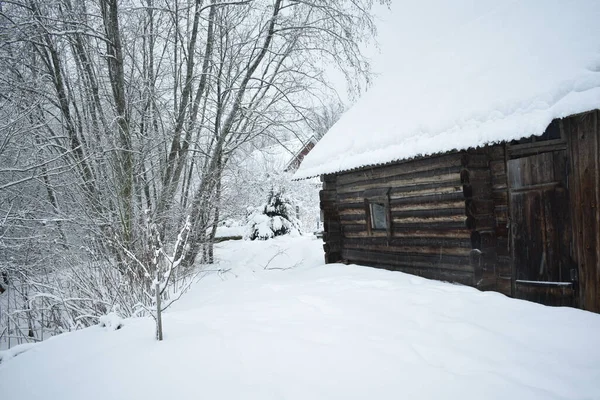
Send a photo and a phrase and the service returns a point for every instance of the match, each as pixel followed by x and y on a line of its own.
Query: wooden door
pixel 540 229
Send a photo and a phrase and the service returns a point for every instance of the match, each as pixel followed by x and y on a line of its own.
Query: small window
pixel 378 216
pixel 377 209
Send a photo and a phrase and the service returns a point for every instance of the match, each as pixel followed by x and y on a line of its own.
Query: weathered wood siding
pixel 540 226
pixel 451 216
pixel 583 134
pixel 332 235
pixel 480 209
pixel 440 210
pixel 500 198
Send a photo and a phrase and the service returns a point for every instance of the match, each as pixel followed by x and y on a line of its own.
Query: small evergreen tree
pixel 276 218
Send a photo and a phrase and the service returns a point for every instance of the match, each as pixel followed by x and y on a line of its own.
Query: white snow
pixel 230 231
pixel 14 351
pixel 111 321
pixel 282 325
pixel 463 74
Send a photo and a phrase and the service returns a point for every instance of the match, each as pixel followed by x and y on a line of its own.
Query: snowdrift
pixel 279 324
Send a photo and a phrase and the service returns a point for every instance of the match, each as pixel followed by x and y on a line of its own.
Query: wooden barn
pixel 508 202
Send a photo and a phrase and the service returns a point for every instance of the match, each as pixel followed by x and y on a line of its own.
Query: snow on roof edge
pixel 586 106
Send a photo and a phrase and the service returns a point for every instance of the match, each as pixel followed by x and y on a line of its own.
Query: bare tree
pixel 323 118
pixel 119 111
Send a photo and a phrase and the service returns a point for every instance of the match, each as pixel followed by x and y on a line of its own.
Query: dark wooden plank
pixel 433 213
pixel 497 168
pixel 413 166
pixel 538 201
pixel 432 179
pixel 439 242
pixel 528 149
pixel 435 251
pixel 474 207
pixel 402 226
pixel 429 175
pixel 444 262
pixel 359 231
pixel 583 134
pixel 551 295
pixel 327 195
pixel 434 196
pixel 495 152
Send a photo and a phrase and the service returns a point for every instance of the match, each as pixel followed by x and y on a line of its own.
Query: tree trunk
pixel 159 330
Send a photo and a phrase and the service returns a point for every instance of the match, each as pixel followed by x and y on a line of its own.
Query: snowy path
pixel 321 332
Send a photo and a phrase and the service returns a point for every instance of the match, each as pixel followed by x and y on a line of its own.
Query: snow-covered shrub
pixel 276 218
pixel 111 321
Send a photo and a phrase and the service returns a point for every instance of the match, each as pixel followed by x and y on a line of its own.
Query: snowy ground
pixel 314 331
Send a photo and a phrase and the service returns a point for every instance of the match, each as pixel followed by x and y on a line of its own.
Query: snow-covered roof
pixel 464 74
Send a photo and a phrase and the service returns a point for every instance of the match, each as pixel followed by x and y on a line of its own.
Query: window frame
pixel 375 208
pixel 379 196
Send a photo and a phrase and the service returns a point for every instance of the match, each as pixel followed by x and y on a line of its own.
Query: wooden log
pixel 416 241
pixel 331 225
pixel 495 152
pixel 465 278
pixel 333 257
pixel 393 173
pixel 410 195
pixel 352 211
pixel 424 206
pixel 327 195
pixel 474 160
pixel 412 251
pixel 484 222
pixel 527 149
pixel 447 229
pixel 443 262
pixel 455 220
pixel 469 175
pixel 413 166
pixel 330 185
pixel 437 178
pixel 477 190
pixel 499 186
pixel 332 237
pixel 332 247
pixel 354 218
pixel 425 190
pixel 474 207
pixel 500 197
pixel 433 214
pixel 433 198
pixel 498 167
pixel 328 210
pixel 488 240
pixel 405 233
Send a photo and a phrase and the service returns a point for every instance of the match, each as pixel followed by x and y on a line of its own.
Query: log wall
pixel 332 235
pixel 500 198
pixel 440 210
pixel 450 213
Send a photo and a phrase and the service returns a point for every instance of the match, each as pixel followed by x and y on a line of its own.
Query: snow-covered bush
pixel 111 321
pixel 276 218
